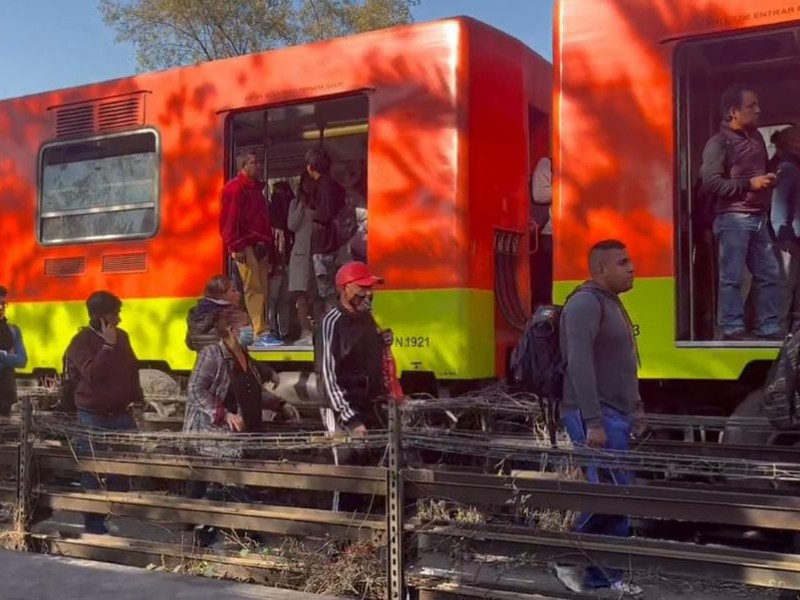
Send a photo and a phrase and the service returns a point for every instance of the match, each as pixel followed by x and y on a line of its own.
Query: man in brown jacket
pixel 105 373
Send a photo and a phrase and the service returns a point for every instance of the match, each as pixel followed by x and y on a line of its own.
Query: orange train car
pixel 116 186
pixel 636 96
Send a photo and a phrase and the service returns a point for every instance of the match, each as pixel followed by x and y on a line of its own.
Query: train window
pixel 766 62
pixel 102 188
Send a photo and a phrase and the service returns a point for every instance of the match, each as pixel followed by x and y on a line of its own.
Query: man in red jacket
pixel 247 234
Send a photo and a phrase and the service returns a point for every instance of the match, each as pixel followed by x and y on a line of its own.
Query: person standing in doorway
pixel 541 227
pixel 734 171
pixel 601 406
pixel 786 220
pixel 247 235
pixel 12 356
pixel 302 283
pixel 329 198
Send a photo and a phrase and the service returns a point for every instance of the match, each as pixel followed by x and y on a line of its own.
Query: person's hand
pixel 359 431
pixel 280 240
pixel 260 250
pixel 290 413
pixel 275 380
pixel 388 337
pixel 108 332
pixel 762 182
pixel 596 437
pixel 136 413
pixel 239 257
pixel 234 421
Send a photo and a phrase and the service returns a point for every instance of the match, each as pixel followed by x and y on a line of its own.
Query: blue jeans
pixel 618 431
pixel 745 239
pixel 93 522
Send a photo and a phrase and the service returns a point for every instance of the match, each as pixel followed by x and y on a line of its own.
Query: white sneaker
pixel 570 577
pixel 626 588
pixel 304 340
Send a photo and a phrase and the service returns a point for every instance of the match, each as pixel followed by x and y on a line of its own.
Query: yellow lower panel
pixel 447 332
pixel 651 305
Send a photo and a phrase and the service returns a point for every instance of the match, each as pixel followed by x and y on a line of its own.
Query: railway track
pixel 723 500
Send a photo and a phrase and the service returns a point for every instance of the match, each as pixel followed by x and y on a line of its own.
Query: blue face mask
pixel 246 336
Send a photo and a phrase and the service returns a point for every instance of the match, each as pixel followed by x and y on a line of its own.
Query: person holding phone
pixel 734 173
pixel 12 356
pixel 106 372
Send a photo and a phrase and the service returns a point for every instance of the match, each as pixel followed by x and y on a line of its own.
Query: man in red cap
pixel 352 353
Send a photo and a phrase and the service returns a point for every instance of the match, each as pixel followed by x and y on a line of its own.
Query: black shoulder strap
pixel 589 290
pixel 792 376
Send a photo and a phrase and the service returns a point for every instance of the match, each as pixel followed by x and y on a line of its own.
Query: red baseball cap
pixel 358 273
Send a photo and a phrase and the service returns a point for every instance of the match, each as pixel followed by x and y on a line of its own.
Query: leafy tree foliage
pixel 167 33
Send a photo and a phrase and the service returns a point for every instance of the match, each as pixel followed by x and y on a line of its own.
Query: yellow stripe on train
pixel 651 305
pixel 447 332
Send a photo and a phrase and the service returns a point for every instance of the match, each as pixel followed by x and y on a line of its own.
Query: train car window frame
pixel 43 214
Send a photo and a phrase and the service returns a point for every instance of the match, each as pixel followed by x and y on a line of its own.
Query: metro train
pixel 116 185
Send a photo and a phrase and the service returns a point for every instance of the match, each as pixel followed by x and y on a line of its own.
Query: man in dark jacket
pixel 12 356
pixel 105 371
pixel 329 199
pixel 247 234
pixel 352 352
pixel 352 369
pixel 734 171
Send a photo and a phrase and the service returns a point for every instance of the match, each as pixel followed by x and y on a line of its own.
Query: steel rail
pixel 764 569
pixel 693 505
pixel 254 517
pixel 258 473
pixel 525 449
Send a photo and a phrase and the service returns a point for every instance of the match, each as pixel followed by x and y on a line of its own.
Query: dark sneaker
pixel 735 336
pixel 773 337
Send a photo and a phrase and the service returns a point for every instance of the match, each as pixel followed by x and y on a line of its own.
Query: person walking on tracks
pixel 104 370
pixel 220 293
pixel 12 356
pixel 352 353
pixel 601 406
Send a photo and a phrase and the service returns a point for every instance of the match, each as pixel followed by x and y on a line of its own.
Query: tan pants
pixel 254 274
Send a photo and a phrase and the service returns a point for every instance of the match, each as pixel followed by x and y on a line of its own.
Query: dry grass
pixel 353 570
pixel 12 538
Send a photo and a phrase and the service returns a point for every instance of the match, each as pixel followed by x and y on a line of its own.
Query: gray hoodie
pixel 599 346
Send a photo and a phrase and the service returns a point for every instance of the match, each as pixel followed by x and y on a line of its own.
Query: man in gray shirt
pixel 601 406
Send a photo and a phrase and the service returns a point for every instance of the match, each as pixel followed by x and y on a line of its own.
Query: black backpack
pixel 781 398
pixel 537 365
pixel 282 196
pixel 345 223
